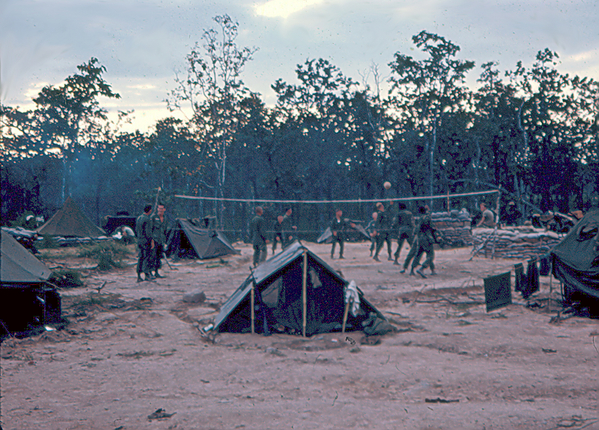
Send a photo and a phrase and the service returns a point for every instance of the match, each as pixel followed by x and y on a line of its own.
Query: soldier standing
pixel 338 227
pixel 371 229
pixel 159 234
pixel 406 227
pixel 287 228
pixel 145 243
pixel 258 235
pixel 426 242
pixel 382 232
pixel 278 233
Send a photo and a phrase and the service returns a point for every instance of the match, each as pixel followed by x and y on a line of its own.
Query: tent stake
pixel 304 292
pixel 345 317
pixel 253 317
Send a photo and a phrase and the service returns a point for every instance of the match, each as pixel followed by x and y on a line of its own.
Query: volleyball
pixel 387 185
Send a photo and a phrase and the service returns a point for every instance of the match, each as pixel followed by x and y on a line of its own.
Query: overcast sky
pixel 143 43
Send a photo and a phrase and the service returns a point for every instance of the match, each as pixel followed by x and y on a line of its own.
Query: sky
pixel 143 44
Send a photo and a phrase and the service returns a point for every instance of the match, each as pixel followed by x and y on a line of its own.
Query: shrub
pixel 66 278
pixel 108 254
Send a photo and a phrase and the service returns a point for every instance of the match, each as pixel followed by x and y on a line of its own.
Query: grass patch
pixel 91 300
pixel 108 254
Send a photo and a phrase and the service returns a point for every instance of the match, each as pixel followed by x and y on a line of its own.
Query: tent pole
pixel 253 317
pixel 345 317
pixel 304 292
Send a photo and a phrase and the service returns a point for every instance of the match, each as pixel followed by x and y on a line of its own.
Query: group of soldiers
pixel 151 231
pixel 418 232
pixel 284 233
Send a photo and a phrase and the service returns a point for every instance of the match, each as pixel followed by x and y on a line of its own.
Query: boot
pixel 420 273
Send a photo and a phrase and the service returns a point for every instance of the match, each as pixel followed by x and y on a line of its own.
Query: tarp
pixel 278 295
pixel 19 266
pixel 575 260
pixel 189 240
pixel 69 221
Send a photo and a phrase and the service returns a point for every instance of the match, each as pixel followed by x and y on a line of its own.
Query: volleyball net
pixel 312 217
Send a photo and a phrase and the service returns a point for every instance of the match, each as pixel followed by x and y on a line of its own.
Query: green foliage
pixel 66 278
pixel 108 254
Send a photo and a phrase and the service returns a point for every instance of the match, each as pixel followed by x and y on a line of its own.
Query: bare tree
pixel 212 86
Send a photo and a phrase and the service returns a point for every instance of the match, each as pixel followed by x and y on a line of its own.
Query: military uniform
pixel 287 231
pixel 159 234
pixel 383 225
pixel 371 228
pixel 143 231
pixel 406 228
pixel 258 235
pixel 277 233
pixel 338 226
pixel 426 242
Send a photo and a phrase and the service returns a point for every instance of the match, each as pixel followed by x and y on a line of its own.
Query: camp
pixel 189 240
pixel 69 221
pixel 575 260
pixel 295 292
pixel 26 300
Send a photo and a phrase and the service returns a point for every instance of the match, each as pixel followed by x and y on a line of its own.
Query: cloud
pixel 284 8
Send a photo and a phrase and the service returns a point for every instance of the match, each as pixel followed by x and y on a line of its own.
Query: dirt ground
pixel 131 349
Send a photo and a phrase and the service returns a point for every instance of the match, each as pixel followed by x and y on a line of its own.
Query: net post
pixel 304 293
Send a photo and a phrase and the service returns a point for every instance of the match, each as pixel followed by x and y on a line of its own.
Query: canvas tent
pixel 575 260
pixel 25 298
pixel 69 221
pixel 352 234
pixel 278 287
pixel 189 240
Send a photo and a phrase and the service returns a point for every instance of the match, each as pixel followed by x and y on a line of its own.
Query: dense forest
pixel 530 131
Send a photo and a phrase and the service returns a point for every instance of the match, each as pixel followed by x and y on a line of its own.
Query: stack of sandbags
pixel 454 227
pixel 514 242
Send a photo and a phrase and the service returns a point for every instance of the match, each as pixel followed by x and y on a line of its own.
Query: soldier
pixel 145 243
pixel 382 232
pixel 159 235
pixel 338 227
pixel 488 218
pixel 426 242
pixel 406 227
pixel 370 228
pixel 258 235
pixel 287 228
pixel 277 233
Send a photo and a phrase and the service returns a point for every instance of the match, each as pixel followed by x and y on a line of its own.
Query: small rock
pixel 195 297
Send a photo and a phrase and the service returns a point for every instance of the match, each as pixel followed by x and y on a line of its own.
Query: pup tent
pixel 575 260
pixel 278 285
pixel 69 221
pixel 187 240
pixel 351 234
pixel 26 300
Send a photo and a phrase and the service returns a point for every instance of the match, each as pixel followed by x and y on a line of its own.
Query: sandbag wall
pixel 515 242
pixel 455 228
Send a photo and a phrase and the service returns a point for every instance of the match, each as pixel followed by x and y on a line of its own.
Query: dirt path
pixel 132 349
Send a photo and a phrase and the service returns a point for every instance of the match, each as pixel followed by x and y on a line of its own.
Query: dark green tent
pixel 26 300
pixel 69 221
pixel 278 298
pixel 575 260
pixel 189 240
